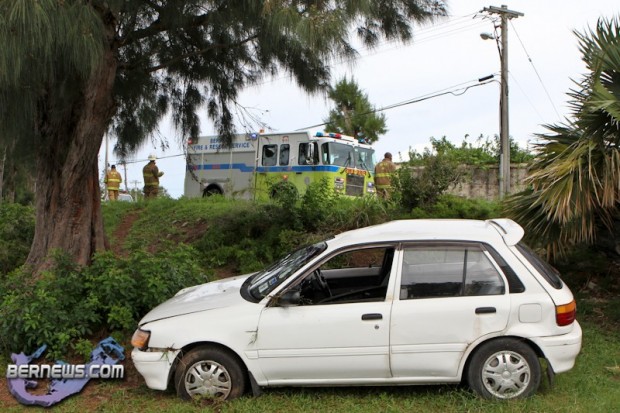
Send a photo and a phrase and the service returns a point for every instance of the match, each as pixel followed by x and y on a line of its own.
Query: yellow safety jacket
pixel 383 170
pixel 113 180
pixel 151 174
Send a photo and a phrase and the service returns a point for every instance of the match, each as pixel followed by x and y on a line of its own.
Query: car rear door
pixel 451 294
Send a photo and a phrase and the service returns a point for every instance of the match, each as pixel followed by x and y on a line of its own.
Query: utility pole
pixel 135 183
pixel 504 137
pixel 125 170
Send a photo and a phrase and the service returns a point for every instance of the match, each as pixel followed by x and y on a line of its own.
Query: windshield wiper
pixel 365 166
pixel 344 167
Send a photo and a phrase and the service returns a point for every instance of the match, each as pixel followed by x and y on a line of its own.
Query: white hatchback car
pixel 406 302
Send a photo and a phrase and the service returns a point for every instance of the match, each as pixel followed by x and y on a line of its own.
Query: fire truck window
pixel 303 150
pixel 316 153
pixel 325 153
pixel 284 154
pixel 301 157
pixel 270 155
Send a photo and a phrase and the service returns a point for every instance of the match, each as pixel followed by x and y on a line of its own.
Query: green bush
pixel 247 240
pixel 52 309
pixel 16 234
pixel 284 193
pixel 421 188
pixel 350 213
pixel 67 304
pixel 451 206
pixel 317 204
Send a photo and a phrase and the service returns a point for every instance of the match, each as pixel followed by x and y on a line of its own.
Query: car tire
pixel 211 373
pixel 504 369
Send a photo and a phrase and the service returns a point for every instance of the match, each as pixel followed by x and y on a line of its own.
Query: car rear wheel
pixel 211 373
pixel 504 369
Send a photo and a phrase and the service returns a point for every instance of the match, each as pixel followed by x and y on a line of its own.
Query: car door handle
pixel 372 316
pixel 486 310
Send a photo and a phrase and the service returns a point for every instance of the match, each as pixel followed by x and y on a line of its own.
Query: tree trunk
pixel 68 199
pixel 2 163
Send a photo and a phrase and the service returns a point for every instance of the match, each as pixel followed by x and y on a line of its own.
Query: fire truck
pixel 256 163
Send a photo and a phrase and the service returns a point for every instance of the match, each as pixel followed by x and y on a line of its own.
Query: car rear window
pixel 550 274
pixel 515 286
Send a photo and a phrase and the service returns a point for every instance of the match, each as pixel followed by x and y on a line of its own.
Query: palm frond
pixel 575 178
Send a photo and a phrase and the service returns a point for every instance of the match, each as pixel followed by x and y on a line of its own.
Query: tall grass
pixel 593 386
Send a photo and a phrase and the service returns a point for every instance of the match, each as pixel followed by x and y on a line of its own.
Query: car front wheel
pixel 210 373
pixel 504 369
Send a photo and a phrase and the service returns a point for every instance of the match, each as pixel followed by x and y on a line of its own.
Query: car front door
pixel 341 337
pixel 451 294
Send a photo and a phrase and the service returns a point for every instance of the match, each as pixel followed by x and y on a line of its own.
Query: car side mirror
pixel 290 298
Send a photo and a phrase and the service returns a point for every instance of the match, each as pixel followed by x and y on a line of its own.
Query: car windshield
pixel 347 155
pixel 365 158
pixel 267 280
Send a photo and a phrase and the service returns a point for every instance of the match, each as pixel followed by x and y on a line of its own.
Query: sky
pixel 445 56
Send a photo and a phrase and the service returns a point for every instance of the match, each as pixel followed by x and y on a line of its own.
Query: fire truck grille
pixel 355 185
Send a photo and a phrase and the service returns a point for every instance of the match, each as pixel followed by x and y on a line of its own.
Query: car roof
pixel 494 230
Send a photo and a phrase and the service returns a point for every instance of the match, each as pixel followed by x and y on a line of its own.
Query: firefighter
pixel 151 176
pixel 113 182
pixel 383 176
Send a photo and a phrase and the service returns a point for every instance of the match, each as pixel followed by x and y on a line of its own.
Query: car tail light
pixel 565 314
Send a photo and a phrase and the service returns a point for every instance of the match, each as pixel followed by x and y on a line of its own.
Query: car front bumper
pixel 561 351
pixel 154 366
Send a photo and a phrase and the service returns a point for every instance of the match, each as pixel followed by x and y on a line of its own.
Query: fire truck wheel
pixel 211 190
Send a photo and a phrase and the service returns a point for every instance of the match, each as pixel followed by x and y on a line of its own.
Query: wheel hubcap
pixel 506 374
pixel 208 379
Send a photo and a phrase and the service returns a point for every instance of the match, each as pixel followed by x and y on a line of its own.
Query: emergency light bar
pixel 334 135
pixel 328 135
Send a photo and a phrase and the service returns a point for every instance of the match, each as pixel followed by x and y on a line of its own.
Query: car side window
pixel 270 155
pixel 352 276
pixel 515 286
pixel 448 270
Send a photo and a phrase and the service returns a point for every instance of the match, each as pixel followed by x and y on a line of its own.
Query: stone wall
pixel 484 182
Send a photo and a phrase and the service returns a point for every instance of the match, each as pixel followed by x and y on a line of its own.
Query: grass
pixel 592 386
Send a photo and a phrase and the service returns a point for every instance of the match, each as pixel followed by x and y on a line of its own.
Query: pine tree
pixel 72 70
pixel 353 114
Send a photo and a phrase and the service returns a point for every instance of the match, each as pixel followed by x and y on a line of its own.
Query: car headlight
pixel 140 339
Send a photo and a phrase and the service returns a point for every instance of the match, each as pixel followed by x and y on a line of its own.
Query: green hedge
pixel 16 234
pixel 66 304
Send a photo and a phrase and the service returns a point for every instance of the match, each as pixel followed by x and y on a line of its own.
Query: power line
pixel 454 25
pixel 536 71
pixel 455 92
pixel 121 162
pixel 420 36
pixel 527 97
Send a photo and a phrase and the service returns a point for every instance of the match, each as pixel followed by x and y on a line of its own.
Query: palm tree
pixel 574 193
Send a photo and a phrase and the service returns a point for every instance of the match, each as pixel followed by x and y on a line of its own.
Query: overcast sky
pixel 447 55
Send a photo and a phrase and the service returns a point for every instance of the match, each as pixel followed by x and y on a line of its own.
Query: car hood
pixel 209 296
